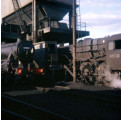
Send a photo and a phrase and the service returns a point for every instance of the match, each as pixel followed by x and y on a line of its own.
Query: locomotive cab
pixel 52 54
pixel 114 53
pixel 46 54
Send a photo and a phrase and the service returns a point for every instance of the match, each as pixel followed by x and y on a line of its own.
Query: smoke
pixel 111 80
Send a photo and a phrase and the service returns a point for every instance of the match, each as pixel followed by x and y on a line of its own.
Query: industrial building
pixel 49 13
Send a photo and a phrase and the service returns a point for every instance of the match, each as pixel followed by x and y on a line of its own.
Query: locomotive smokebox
pixel 22 50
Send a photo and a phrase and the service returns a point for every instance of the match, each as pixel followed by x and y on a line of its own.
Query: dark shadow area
pixel 97 103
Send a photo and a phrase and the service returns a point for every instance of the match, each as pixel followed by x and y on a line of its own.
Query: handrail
pixel 67 58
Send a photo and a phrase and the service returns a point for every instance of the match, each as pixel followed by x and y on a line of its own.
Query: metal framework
pixel 18 12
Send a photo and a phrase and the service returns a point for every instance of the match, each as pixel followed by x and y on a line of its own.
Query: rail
pixel 111 100
pixel 21 108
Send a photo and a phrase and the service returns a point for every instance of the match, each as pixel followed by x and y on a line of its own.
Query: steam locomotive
pixel 17 60
pixel 92 58
pixel 24 58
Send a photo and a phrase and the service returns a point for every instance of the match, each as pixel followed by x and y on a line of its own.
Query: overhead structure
pixel 48 25
pixel 18 12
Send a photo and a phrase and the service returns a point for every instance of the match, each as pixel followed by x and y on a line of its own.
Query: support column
pixel 70 19
pixel 74 40
pixel 34 20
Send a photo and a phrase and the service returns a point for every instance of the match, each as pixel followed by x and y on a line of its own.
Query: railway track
pixel 22 107
pixel 104 97
pixel 107 99
pixel 15 109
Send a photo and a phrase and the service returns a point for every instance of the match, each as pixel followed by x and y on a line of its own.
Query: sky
pixel 102 17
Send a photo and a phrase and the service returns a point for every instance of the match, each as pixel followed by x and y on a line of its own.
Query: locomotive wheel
pixel 100 73
pixel 87 75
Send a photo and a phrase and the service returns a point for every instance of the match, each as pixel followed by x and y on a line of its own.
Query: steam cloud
pixel 111 80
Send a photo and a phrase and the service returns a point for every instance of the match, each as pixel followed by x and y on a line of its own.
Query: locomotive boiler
pixel 92 58
pixel 17 57
pixel 19 50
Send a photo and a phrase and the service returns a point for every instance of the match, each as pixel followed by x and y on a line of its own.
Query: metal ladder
pixel 19 12
pixel 78 18
pixel 81 26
